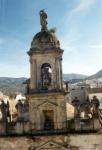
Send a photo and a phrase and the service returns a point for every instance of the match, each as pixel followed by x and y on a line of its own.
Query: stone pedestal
pixel 22 127
pixel 77 124
pixel 19 127
pixel 2 128
pixel 96 124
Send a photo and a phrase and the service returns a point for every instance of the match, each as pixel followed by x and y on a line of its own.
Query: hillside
pixel 11 81
pixel 10 86
pixel 73 76
pixel 96 75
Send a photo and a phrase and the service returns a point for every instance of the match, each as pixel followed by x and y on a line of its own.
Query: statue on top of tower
pixel 43 20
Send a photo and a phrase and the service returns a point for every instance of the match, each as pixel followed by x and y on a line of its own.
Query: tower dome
pixel 45 40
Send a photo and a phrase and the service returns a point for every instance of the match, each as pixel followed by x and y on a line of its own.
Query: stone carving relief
pixel 47 104
pixel 50 145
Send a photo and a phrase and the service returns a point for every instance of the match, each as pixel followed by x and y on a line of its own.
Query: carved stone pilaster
pixel 33 74
pixel 58 64
pixel 57 72
pixel 61 78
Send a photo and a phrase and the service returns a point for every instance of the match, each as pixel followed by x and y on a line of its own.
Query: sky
pixel 79 30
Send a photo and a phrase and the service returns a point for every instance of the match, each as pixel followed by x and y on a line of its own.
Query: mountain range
pixel 96 75
pixel 11 86
pixel 72 76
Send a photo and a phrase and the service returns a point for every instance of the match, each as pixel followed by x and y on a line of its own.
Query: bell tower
pixel 47 107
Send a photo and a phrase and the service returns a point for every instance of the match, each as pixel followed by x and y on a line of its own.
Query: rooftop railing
pixel 24 128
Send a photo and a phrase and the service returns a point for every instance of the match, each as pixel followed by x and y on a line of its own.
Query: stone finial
pixel 43 20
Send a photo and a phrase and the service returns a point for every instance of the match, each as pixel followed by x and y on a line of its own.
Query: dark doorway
pixel 49 119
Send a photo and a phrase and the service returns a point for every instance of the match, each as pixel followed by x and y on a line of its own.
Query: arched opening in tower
pixel 46 75
pixel 48 119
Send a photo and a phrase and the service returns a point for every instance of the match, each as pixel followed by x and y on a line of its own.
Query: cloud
pixel 95 46
pixel 83 5
pixel 71 21
pixel 75 67
pixel 79 9
pixel 82 44
pixel 13 70
pixel 13 57
pixel 12 45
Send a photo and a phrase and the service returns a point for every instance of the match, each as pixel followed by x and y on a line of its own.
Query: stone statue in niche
pixel 43 20
pixel 95 105
pixel 4 107
pixel 46 77
pixel 6 116
pixel 86 109
pixel 76 104
pixel 22 110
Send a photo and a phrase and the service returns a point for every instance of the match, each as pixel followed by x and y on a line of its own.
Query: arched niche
pixel 46 75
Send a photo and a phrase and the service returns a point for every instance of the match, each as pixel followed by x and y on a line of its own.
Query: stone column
pixel 60 73
pixel 59 81
pixel 33 74
pixel 57 72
